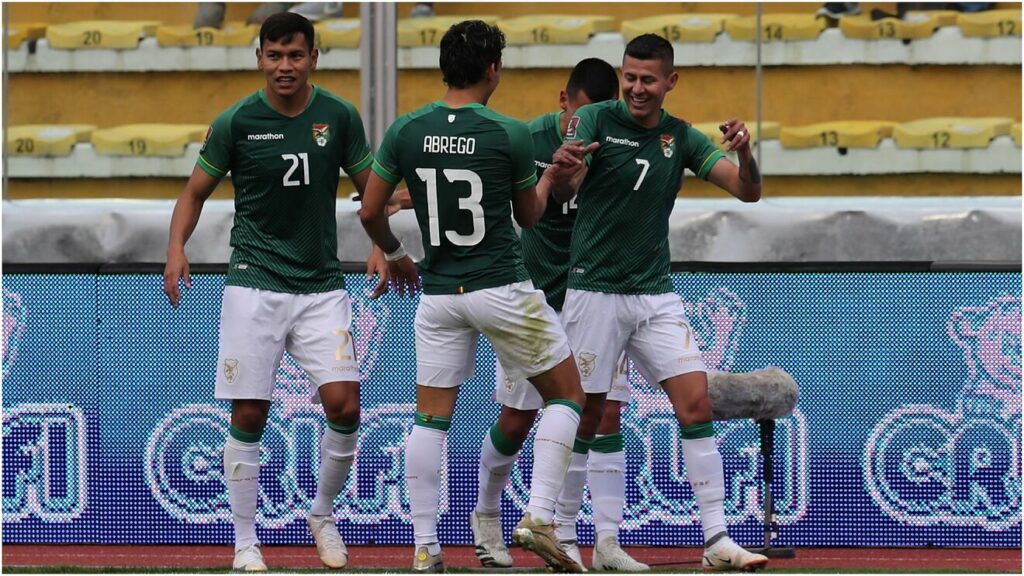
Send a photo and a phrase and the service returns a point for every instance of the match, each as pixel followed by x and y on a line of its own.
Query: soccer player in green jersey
pixel 469 170
pixel 283 145
pixel 620 295
pixel 546 255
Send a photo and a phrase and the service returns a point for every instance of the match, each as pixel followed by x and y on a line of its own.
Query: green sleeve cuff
pixel 360 166
pixel 210 168
pixel 525 183
pixel 709 162
pixel 386 174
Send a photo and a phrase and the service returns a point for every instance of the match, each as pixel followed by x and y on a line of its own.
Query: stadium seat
pixel 46 139
pixel 776 27
pixel 691 27
pixel 950 132
pixel 916 26
pixel 843 134
pixel 990 23
pixel 338 33
pixel 147 139
pixel 114 34
pixel 18 32
pixel 232 34
pixel 1015 132
pixel 428 31
pixel 769 131
pixel 554 28
pixel 945 17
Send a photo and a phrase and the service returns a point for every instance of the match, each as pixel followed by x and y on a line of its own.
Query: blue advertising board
pixel 907 431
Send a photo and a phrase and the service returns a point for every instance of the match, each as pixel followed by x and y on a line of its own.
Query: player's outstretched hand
pixel 571 153
pixel 736 134
pixel 377 266
pixel 405 277
pixel 175 269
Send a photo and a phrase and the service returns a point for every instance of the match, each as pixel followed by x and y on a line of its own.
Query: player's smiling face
pixel 286 64
pixel 644 86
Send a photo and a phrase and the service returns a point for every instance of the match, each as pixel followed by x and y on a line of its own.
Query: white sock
pixel 242 475
pixel 495 469
pixel 552 449
pixel 570 499
pixel 607 479
pixel 337 451
pixel 423 482
pixel 707 478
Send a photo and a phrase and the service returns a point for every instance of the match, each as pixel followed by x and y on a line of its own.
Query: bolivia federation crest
pixel 321 134
pixel 668 145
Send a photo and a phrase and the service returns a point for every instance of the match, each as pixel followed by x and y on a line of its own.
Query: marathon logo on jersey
pixel 570 131
pixel 668 145
pixel 209 132
pixel 541 165
pixel 623 141
pixel 267 136
pixel 321 134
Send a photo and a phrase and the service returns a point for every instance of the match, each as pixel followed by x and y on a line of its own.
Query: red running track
pixel 400 557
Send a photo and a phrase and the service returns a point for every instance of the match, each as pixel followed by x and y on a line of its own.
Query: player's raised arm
pixel 183 222
pixel 744 181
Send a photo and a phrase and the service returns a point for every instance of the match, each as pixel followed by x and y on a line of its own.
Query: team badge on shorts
pixel 586 362
pixel 230 370
pixel 321 134
pixel 668 145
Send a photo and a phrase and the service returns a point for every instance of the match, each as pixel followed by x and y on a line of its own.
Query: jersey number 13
pixel 470 204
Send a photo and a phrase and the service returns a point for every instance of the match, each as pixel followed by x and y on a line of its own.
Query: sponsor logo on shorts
pixel 230 369
pixel 510 384
pixel 586 362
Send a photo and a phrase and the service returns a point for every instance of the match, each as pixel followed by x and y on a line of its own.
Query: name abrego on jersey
pixel 285 174
pixel 462 166
pixel 620 241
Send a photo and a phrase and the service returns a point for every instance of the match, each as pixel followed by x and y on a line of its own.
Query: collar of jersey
pixel 621 106
pixel 441 104
pixel 263 98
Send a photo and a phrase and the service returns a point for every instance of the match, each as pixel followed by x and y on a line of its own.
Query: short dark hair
pixel 651 47
pixel 284 26
pixel 595 78
pixel 467 50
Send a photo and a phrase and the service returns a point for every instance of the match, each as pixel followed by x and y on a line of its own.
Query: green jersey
pixel 462 167
pixel 546 244
pixel 285 172
pixel 620 242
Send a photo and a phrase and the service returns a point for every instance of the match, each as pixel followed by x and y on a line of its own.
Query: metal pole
pixel 379 74
pixel 758 89
pixel 7 87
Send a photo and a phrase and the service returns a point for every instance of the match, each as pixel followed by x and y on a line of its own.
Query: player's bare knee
pixel 249 416
pixel 346 414
pixel 697 412
pixel 515 424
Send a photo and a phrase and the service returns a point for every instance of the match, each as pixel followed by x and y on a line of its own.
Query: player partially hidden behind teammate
pixel 546 255
pixel 620 262
pixel 283 146
pixel 469 170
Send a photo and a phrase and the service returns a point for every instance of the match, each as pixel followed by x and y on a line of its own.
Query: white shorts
pixel 651 328
pixel 521 395
pixel 258 326
pixel 523 330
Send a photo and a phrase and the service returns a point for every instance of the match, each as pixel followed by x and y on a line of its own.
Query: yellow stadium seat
pixel 554 28
pixel 46 139
pixel 18 32
pixel 429 31
pixel 915 27
pixel 147 139
pixel 844 134
pixel 338 33
pixel 690 27
pixel 769 131
pixel 950 132
pixel 1015 132
pixel 116 34
pixel 990 23
pixel 776 27
pixel 944 17
pixel 232 34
